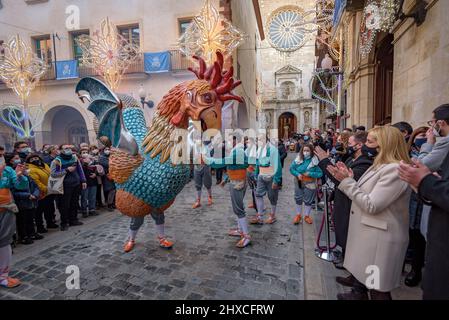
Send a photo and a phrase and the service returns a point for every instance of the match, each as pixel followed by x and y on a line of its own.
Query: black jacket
pixel 282 151
pixel 342 203
pixel 436 273
pixel 88 170
pixel 108 184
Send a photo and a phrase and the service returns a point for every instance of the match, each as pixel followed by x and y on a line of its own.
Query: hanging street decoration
pixel 16 117
pixel 20 70
pixel 378 16
pixel 209 33
pixel 323 85
pixel 108 52
pixel 368 28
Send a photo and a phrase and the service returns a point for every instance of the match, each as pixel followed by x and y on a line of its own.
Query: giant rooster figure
pixel 147 181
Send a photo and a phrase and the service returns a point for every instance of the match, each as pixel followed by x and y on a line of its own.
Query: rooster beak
pixel 211 118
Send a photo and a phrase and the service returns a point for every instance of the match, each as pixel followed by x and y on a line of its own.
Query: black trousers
pixel 219 174
pixel 418 245
pixel 25 223
pixel 68 204
pixel 99 196
pixel 45 209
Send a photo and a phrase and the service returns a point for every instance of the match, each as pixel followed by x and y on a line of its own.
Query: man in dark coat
pixel 434 190
pixel 359 163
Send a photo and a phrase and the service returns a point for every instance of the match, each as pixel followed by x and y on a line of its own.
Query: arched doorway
pixel 287 125
pixel 64 124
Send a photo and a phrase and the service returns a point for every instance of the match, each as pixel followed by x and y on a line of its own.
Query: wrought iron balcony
pixel 179 62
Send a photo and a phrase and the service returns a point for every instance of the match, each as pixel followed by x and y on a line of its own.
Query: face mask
pixel 419 142
pixel 352 150
pixel 437 132
pixel 339 146
pixel 306 155
pixel 25 150
pixel 85 155
pixel 107 152
pixel 370 152
pixel 17 162
pixel 68 152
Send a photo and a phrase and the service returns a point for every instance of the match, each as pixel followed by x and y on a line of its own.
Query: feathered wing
pixel 107 107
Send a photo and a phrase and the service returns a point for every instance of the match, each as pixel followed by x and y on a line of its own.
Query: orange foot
pixel 308 220
pixel 11 283
pixel 209 201
pixel 164 243
pixel 129 245
pixel 235 233
pixel 256 220
pixel 297 219
pixel 244 241
pixel 197 204
pixel 271 219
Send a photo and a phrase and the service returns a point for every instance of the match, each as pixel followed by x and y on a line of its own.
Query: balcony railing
pixel 179 62
pixel 136 66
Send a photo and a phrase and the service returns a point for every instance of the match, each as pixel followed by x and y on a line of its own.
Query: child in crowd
pixel 306 172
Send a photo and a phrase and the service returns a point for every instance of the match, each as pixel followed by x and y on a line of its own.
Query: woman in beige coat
pixel 378 225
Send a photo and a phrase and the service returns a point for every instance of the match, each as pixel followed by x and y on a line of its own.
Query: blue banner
pixel 339 6
pixel 67 69
pixel 156 62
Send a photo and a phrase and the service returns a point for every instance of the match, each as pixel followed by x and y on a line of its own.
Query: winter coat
pixel 307 167
pixel 342 206
pixel 435 191
pixel 108 184
pixel 59 167
pixel 378 226
pixel 40 176
pixel 22 195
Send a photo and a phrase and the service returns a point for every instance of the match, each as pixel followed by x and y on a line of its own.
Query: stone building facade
pixel 406 74
pixel 285 77
pixel 155 25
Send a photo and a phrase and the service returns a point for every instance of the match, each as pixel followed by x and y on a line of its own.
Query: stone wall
pixel 421 68
pixel 246 62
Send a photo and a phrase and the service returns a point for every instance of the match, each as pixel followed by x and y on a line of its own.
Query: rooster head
pixel 203 98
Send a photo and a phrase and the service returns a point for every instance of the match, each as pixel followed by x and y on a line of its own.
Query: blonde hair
pixel 392 147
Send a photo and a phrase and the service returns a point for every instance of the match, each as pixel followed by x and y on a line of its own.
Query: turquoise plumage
pixel 153 182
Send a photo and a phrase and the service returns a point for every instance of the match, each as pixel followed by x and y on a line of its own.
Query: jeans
pixel 88 199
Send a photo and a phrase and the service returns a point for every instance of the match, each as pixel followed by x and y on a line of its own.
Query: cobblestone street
pixel 204 263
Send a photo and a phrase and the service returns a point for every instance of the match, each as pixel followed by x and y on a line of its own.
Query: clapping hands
pixel 340 171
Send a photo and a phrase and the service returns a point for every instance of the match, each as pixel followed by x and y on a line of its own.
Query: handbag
pixel 55 185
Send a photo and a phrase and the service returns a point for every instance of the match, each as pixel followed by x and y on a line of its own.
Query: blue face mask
pixel 17 162
pixel 419 142
pixel 25 150
pixel 68 152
